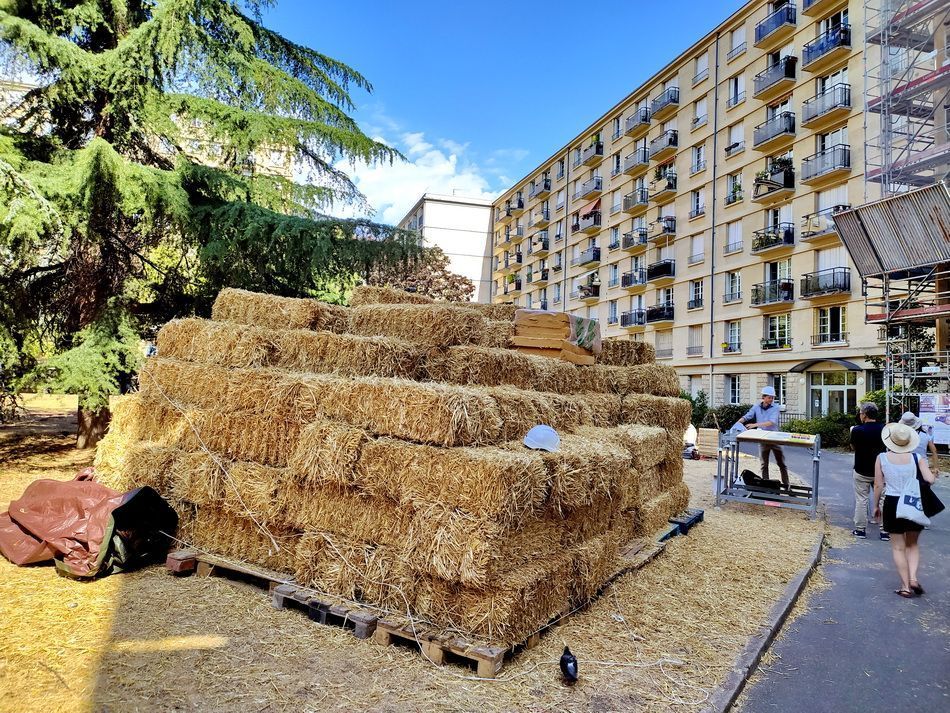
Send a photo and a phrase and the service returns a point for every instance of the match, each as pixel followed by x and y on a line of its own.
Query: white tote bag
pixel 909 506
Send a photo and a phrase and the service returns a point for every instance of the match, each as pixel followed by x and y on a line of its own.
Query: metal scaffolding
pixel 906 92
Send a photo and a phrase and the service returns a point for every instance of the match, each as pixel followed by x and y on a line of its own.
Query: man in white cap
pixel 765 415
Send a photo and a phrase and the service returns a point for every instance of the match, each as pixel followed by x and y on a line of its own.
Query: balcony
pixel 664 187
pixel 540 218
pixel 773 293
pixel 636 202
pixel 827 108
pixel 733 247
pixel 775 79
pixel 698 166
pixel 695 304
pixel 773 343
pixel 543 305
pixel 613 318
pixel 732 296
pixel 694 350
pixel 586 293
pixel 776 29
pixel 516 205
pixel 666 104
pixel 664 352
pixel 634 280
pixel 664 227
pixel 590 188
pixel 819 227
pixel 634 319
pixel 736 147
pixel 695 258
pixel 557 267
pixel 661 271
pixel 513 287
pixel 827 166
pixel 733 347
pixel 590 258
pixel 736 51
pixel 589 224
pixel 773 134
pixel 664 145
pixel 773 238
pixel 637 162
pixel 660 313
pixel 773 186
pixel 505 214
pixel 540 188
pixel 635 241
pixel 638 123
pixel 514 234
pixel 540 245
pixel 539 278
pixel 733 194
pixel 831 282
pixel 592 155
pixel 817 7
pixel 614 243
pixel 828 49
pixel 829 339
pixel 512 261
pixel 697 212
pixel 734 99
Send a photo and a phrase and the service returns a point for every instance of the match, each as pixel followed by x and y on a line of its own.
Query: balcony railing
pixel 773 292
pixel 541 275
pixel 821 222
pixel 666 225
pixel 588 256
pixel 661 269
pixel 589 187
pixel 669 97
pixel 586 292
pixel 668 139
pixel 731 347
pixel 664 352
pixel 592 153
pixel 695 303
pixel 826 282
pixel 588 222
pixel 697 212
pixel 734 148
pixel 539 245
pixel 822 338
pixel 660 313
pixel 785 15
pixel 540 217
pixel 513 259
pixel 733 247
pixel 637 198
pixel 513 286
pixel 516 232
pixel 633 318
pixel 773 236
pixel 734 195
pixel 634 278
pixel 635 238
pixel 557 267
pixel 736 51
pixel 539 188
pixel 636 160
pixel 833 98
pixel 783 342
pixel 639 119
pixel 734 99
pixel 734 296
pixel 665 185
pixel 696 258
pixel 614 242
pixel 781 71
pixel 694 350
pixel 782 124
pixel 779 182
pixel 827 161
pixel 830 40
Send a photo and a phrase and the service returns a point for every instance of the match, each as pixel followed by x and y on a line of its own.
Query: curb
pixel 747 660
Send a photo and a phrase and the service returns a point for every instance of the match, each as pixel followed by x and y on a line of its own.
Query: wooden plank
pixel 548 353
pixel 538 342
pixel 537 318
pixel 530 330
pixel 578 359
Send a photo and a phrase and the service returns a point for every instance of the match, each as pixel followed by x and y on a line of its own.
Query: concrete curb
pixel 747 660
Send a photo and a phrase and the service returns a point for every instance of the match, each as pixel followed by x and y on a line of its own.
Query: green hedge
pixel 700 406
pixel 835 429
pixel 726 416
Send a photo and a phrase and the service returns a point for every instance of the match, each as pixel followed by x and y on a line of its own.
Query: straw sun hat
pixel 899 438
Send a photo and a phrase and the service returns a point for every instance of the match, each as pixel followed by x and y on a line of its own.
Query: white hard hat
pixel 543 438
pixel 768 391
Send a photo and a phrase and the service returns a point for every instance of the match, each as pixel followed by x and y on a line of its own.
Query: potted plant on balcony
pixel 510 278
pixel 725 346
pixel 735 193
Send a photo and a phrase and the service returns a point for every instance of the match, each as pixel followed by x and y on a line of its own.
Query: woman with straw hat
pixel 925 448
pixel 891 472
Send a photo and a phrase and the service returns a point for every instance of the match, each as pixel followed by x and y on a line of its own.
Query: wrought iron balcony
pixel 734 195
pixel 775 185
pixel 772 237
pixel 661 270
pixel 638 122
pixel 592 155
pixel 589 223
pixel 731 347
pixel 834 42
pixel 832 281
pixel 540 188
pixel 734 148
pixel 819 225
pixel 826 338
pixel 665 227
pixel 633 318
pixel 557 267
pixel 513 260
pixel 694 350
pixel 826 164
pixel 614 243
pixel 770 343
pixel 635 239
pixel 660 313
pixel 586 292
pixel 664 144
pixel 636 201
pixel 540 218
pixel 613 318
pixel 698 211
pixel 775 78
pixel 666 103
pixel 587 257
pixel 664 352
pixel 515 233
pixel 589 188
pixel 637 161
pixel 733 247
pixel 774 131
pixel 539 245
pixel 736 51
pixel 539 276
pixel 773 292
pixel 776 26
pixel 698 166
pixel 696 258
pixel 664 187
pixel 633 279
pixel 734 296
pixel 827 106
pixel 695 304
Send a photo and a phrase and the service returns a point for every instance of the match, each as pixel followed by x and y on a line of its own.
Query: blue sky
pixel 472 93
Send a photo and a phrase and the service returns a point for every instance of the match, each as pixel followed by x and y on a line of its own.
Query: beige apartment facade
pixel 696 213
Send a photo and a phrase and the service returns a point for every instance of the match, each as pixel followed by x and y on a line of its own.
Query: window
pixel 615 164
pixel 733 188
pixel 614 238
pixel 734 236
pixel 735 90
pixel 835 78
pixel 737 43
pixel 832 325
pixel 733 389
pixel 832 138
pixel 528 301
pixel 700 115
pixel 556 292
pixel 695 294
pixel 664 296
pixel 778 270
pixel 559 230
pixel 560 168
pixel 696 249
pixel 779 383
pixel 733 335
pixel 697 204
pixel 701 68
pixel 778 333
pixel 736 139
pixel 617 130
pixel 614 273
pixel 559 201
pixel 664 343
pixel 694 343
pixel 616 200
pixel 733 286
pixel 699 158
pixel 830 258
pixel 612 312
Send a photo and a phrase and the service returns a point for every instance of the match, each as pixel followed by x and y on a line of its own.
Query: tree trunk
pixel 92 426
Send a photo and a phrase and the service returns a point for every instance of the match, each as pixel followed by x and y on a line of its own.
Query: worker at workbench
pixel 765 415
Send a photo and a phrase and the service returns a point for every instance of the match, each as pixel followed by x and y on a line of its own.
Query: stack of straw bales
pixel 374 453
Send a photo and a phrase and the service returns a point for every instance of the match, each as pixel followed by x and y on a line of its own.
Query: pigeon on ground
pixel 569 667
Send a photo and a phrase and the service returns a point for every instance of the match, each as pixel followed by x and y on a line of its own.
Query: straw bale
pixel 327 452
pixel 197 478
pixel 497 334
pixel 625 352
pixel 375 295
pixel 491 483
pixel 642 379
pixel 595 560
pixel 222 343
pixel 240 539
pixel 263 310
pixel 583 469
pixel 184 383
pixel 605 410
pixel 124 466
pixel 494 312
pixel 670 413
pixel 655 513
pixel 646 445
pixel 432 325
pixel 520 410
pixel 583 522
pixel 482 366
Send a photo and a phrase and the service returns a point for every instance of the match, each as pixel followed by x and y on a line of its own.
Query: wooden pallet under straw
pixel 437 646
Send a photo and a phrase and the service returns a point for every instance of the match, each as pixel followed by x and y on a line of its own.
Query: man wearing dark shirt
pixel 867 444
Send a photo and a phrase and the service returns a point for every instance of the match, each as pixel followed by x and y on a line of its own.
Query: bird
pixel 569 667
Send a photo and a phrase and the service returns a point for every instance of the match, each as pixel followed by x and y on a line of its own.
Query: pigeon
pixel 569 667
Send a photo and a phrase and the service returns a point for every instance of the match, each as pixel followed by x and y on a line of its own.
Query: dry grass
pixel 373 295
pixel 431 325
pixel 275 312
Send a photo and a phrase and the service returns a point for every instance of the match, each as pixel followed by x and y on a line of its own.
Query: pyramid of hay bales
pixel 374 453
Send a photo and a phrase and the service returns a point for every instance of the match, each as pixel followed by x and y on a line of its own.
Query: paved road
pixel 860 647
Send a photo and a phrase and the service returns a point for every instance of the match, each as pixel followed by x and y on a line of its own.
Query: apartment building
pixel 696 213
pixel 459 226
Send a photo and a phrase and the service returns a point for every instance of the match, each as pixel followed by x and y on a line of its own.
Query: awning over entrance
pixel 808 363
pixel 590 208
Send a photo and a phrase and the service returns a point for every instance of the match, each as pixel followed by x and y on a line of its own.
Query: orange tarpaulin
pixel 590 208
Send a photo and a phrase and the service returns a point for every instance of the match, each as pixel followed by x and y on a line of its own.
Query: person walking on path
pixel 892 470
pixel 925 450
pixel 765 415
pixel 867 445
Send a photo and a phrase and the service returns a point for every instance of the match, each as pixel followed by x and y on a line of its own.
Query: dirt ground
pixel 660 639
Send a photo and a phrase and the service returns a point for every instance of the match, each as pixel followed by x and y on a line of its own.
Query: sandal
pixel 916 588
pixel 906 593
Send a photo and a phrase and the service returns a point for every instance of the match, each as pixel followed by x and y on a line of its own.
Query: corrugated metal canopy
pixel 901 232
